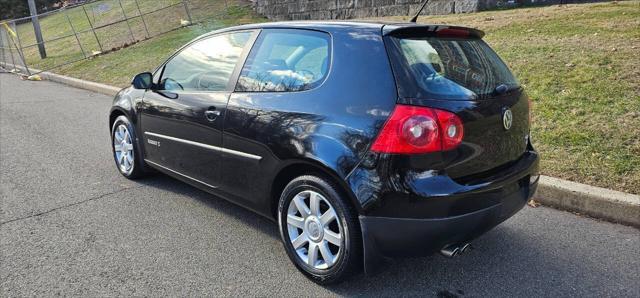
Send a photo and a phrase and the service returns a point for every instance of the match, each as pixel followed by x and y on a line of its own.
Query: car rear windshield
pixel 448 68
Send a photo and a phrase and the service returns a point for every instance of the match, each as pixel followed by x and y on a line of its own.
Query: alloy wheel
pixel 123 148
pixel 314 230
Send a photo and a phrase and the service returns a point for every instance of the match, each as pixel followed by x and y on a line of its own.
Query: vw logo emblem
pixel 314 229
pixel 507 119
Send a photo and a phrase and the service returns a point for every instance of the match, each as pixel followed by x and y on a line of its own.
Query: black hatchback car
pixel 361 140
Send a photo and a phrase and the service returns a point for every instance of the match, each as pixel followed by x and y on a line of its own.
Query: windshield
pixel 448 68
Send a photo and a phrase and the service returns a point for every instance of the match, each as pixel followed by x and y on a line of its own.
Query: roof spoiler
pixel 410 30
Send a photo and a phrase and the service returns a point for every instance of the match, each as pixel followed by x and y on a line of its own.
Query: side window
pixel 286 61
pixel 206 65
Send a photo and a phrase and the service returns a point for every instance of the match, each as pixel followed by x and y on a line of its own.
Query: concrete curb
pixel 82 84
pixel 73 82
pixel 593 201
pixel 602 203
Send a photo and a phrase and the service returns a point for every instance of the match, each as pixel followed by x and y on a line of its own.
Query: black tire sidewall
pixel 329 191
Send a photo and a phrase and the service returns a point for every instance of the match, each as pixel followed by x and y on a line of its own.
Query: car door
pixel 182 116
pixel 273 110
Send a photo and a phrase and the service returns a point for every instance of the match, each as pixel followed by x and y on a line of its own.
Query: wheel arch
pixel 296 168
pixel 114 114
pixel 117 111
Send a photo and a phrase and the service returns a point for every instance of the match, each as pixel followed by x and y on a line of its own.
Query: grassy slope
pixel 578 63
pixel 104 12
pixel 117 68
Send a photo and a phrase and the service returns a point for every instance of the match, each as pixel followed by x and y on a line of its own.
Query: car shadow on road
pixel 503 262
pixel 504 254
pixel 248 217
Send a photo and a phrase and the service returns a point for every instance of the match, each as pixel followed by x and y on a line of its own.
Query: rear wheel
pixel 320 230
pixel 125 148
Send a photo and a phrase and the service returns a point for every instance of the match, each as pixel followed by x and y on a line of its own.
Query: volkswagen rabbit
pixel 362 141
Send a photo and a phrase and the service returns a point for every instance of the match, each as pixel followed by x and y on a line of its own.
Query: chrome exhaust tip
pixel 465 247
pixel 450 251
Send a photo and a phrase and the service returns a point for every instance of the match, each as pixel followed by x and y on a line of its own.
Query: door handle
pixel 211 114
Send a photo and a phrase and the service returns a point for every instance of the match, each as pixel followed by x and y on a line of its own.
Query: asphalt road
pixel 71 225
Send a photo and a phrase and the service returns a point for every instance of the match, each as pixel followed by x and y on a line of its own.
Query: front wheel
pixel 320 230
pixel 125 148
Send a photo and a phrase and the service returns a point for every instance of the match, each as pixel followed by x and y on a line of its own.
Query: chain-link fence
pixel 78 32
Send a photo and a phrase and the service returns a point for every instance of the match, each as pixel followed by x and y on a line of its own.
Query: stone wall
pixel 349 9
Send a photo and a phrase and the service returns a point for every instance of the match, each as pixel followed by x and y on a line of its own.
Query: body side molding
pixel 206 146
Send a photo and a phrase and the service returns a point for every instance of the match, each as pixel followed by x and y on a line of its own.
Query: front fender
pixel 126 103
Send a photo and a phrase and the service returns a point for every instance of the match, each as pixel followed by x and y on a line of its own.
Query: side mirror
pixel 142 81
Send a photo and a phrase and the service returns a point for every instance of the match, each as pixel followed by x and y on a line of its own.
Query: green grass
pixel 115 36
pixel 579 64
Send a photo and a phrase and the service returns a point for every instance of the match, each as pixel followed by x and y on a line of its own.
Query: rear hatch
pixel 452 68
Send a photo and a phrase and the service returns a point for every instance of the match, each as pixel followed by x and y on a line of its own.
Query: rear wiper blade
pixel 504 88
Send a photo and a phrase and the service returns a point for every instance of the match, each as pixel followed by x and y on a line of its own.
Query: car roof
pixel 385 27
pixel 327 24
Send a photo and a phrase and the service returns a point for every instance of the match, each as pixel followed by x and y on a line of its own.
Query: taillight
pixel 451 128
pixel 412 130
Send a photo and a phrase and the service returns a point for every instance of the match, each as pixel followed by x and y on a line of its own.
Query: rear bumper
pixel 391 237
pixel 451 217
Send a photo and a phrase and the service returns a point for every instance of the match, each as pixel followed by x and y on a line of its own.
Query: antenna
pixel 415 18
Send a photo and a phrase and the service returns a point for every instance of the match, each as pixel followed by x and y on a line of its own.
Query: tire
pixel 345 260
pixel 137 167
